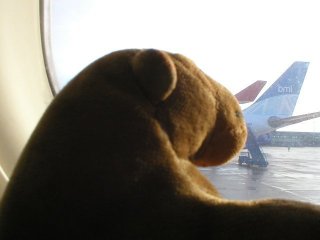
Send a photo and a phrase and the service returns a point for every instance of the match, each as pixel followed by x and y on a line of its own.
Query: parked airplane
pixel 273 110
pixel 250 93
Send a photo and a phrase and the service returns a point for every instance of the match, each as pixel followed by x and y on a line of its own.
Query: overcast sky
pixel 235 42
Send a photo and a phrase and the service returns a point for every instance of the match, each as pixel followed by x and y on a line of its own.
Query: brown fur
pixel 113 158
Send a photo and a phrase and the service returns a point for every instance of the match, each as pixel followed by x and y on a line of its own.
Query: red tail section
pixel 250 93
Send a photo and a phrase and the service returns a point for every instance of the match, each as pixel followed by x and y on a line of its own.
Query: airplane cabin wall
pixel 24 88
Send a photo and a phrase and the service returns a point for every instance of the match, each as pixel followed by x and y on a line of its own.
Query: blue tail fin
pixel 281 97
pixel 290 82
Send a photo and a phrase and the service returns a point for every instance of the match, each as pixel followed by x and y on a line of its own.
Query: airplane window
pixel 236 43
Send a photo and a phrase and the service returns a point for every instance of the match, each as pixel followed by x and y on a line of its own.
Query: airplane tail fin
pixel 281 97
pixel 250 93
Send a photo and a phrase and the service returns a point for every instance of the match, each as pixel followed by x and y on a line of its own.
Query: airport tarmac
pixel 291 174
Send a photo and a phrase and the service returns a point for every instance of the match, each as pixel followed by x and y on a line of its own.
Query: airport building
pixel 290 139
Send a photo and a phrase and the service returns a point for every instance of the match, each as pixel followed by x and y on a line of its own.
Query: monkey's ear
pixel 156 74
